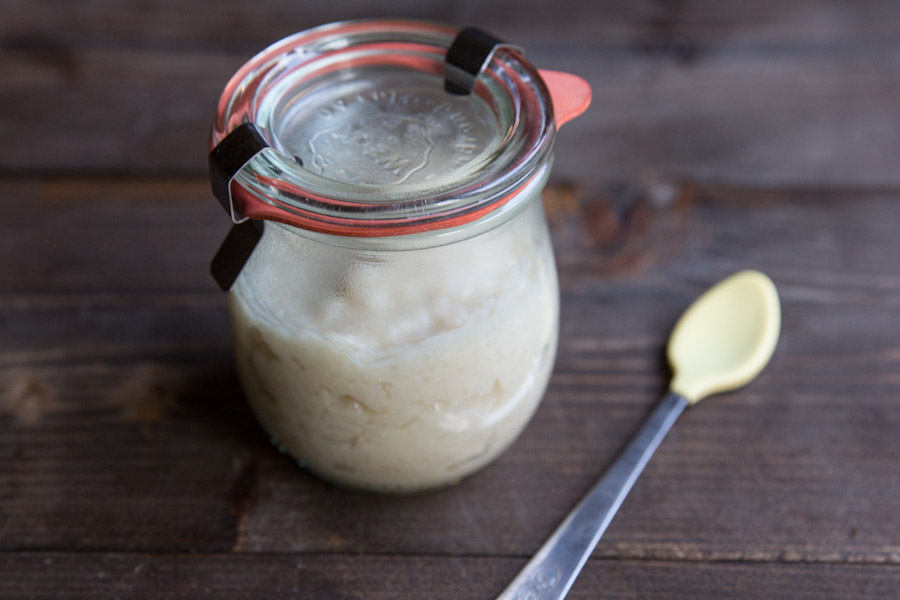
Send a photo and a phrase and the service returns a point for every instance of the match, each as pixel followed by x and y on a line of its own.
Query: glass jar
pixel 396 324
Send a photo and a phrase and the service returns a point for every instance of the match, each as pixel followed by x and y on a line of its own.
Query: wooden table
pixel 723 135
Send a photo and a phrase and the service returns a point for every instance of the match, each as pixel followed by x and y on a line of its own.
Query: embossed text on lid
pixel 386 127
pixel 365 142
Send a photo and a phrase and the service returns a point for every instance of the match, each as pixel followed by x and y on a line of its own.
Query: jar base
pixel 362 489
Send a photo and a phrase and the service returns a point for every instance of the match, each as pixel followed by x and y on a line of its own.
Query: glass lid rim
pixel 239 103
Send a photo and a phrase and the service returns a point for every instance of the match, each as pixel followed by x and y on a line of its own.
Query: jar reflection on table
pixel 395 369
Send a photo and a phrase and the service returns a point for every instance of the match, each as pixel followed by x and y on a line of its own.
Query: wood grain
pixel 153 237
pixel 138 360
pixel 37 576
pixel 158 455
pixel 723 135
pixel 232 26
pixel 764 94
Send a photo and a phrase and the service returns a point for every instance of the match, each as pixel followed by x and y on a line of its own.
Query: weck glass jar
pixel 396 324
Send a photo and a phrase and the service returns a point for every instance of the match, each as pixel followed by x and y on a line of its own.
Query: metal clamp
pixel 228 157
pixel 234 252
pixel 468 55
pixel 225 161
pixel 471 51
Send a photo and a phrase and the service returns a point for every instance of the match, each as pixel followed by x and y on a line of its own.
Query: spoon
pixel 721 342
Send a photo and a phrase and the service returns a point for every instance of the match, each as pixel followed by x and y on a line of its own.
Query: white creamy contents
pixel 397 371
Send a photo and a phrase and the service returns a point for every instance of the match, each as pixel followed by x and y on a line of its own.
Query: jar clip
pixel 471 51
pixel 468 55
pixel 228 157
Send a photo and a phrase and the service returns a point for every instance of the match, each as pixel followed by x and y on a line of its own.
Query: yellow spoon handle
pixel 552 571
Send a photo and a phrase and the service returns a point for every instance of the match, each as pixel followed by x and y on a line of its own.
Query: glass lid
pixel 365 141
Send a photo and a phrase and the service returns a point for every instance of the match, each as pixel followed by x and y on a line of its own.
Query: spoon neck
pixel 683 387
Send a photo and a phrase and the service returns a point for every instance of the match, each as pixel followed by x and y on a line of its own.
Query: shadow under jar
pixel 396 324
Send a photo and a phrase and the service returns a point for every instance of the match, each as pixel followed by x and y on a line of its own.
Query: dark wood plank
pixel 227 25
pixel 769 94
pixel 723 135
pixel 116 386
pixel 800 466
pixel 75 235
pixel 153 238
pixel 142 429
pixel 154 456
pixel 759 476
pixel 86 575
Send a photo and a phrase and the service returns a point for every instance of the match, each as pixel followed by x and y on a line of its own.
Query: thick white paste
pixel 397 370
